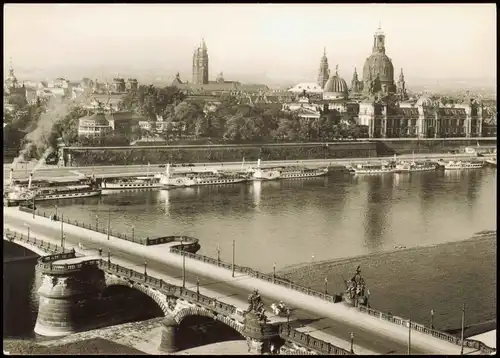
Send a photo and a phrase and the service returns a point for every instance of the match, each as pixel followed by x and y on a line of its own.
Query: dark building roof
pixel 99 118
pixel 217 87
pixel 125 116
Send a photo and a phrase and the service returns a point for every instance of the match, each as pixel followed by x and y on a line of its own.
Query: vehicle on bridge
pixel 280 309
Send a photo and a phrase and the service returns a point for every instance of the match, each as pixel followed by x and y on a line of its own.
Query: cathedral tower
pixel 324 72
pixel 355 83
pixel 402 86
pixel 200 64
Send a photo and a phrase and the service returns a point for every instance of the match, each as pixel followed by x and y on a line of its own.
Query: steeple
pixel 323 72
pixel 337 70
pixel 200 64
pixel 355 85
pixel 379 40
pixel 401 76
pixel 203 45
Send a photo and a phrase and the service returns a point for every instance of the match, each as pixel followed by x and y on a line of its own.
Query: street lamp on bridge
pixel 198 285
pixel 409 336
pixel 326 285
pixel 109 221
pixel 432 318
pixel 218 254
pixel 96 222
pixel 25 224
pixel 62 232
pixel 352 342
pixel 145 268
pixel 133 233
pixel 55 206
pixel 274 272
pixel 109 256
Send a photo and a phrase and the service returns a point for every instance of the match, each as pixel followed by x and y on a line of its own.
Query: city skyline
pixel 277 41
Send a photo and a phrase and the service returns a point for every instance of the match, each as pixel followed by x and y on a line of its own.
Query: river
pixel 294 221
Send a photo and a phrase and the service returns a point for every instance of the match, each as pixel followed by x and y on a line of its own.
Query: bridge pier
pixel 169 335
pixel 64 298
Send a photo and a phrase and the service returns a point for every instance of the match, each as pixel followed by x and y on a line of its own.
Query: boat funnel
pixel 29 181
pixel 11 177
pixel 258 163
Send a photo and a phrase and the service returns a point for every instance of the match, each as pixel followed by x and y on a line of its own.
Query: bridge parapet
pixel 43 246
pixel 470 343
pixel 309 342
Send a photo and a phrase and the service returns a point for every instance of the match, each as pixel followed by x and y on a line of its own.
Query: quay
pixel 74 173
pixel 313 316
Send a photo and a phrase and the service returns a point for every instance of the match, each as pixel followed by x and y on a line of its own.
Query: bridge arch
pixel 199 311
pixel 159 298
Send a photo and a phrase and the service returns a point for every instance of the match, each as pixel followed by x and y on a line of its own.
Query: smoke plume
pixel 38 140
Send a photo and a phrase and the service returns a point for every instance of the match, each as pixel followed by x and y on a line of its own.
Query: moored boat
pixel 492 162
pixel 67 192
pixel 134 183
pixel 300 172
pixel 410 167
pixel 460 165
pixel 372 168
pixel 259 173
pixel 194 178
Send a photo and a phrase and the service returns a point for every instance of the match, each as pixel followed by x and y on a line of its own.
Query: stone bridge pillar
pixel 169 335
pixel 259 334
pixel 63 295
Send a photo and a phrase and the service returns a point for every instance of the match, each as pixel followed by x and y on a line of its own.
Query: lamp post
pixel 352 342
pixel 197 285
pixel 133 233
pixel 56 210
pixel 145 268
pixel 33 206
pixel 432 318
pixel 183 269
pixel 233 258
pixel 312 257
pixel 109 256
pixel 28 231
pixel 62 231
pixel 274 272
pixel 96 222
pixel 63 242
pixel 409 337
pixel 109 221
pixel 462 333
pixel 288 319
pixel 326 285
pixel 218 254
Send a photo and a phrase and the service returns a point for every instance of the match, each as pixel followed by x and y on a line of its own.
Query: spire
pixel 203 44
pixel 401 76
pixel 336 70
pixel 324 51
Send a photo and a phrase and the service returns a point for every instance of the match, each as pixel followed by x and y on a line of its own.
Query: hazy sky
pixel 282 41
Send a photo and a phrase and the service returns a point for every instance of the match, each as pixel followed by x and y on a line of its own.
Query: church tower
pixel 200 64
pixel 355 83
pixel 323 73
pixel 402 87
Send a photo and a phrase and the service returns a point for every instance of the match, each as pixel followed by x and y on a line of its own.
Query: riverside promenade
pixel 312 315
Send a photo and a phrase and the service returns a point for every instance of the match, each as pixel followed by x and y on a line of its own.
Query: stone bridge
pixel 69 282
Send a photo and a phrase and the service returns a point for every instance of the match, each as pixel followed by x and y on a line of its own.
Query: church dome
pixel 424 102
pixel 379 64
pixel 335 88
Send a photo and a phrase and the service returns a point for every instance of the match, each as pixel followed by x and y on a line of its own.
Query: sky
pixel 279 41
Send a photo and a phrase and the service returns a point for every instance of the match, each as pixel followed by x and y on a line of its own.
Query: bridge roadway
pixel 54 172
pixel 323 320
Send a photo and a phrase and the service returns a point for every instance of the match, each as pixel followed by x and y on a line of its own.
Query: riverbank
pixel 409 283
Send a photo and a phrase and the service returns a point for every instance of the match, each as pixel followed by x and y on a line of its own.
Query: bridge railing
pixel 310 342
pixel 254 273
pixel 101 228
pixel 332 298
pixel 470 343
pixel 32 240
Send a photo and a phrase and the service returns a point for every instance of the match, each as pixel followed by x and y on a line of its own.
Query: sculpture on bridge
pixel 356 292
pixel 256 306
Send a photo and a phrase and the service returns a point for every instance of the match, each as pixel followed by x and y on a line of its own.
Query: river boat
pixel 372 168
pixel 462 165
pixel 295 172
pixel 67 192
pixel 132 183
pixel 492 162
pixel 196 178
pixel 259 173
pixel 16 195
pixel 410 167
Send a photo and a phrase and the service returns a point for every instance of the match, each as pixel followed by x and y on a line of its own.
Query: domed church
pixel 335 88
pixel 378 71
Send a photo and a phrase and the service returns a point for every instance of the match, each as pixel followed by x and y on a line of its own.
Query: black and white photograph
pixel 249 178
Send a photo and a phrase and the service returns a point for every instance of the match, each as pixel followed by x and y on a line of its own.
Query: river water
pixel 293 221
